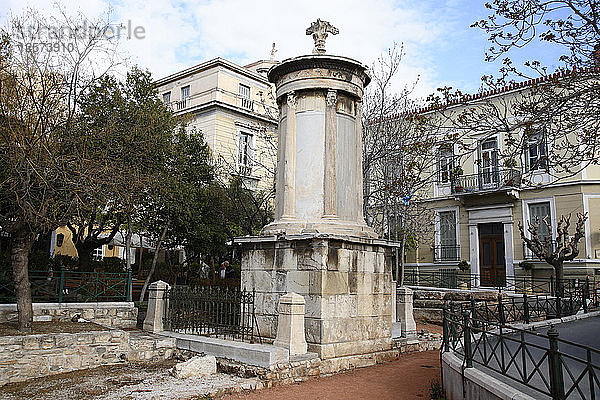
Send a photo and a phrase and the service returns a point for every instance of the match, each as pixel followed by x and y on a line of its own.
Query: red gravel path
pixel 409 377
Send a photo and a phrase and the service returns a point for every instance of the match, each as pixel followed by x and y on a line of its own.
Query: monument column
pixel 289 160
pixel 330 181
pixel 319 245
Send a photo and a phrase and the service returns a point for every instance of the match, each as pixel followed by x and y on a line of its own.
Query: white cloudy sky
pixel 440 46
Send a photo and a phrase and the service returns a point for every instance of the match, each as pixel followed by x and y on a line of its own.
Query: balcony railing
pixel 246 103
pixel 444 253
pixel 245 170
pixel 491 180
pixel 181 104
pixel 529 255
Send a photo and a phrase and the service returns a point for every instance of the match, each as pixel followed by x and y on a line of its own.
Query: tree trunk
pixel 128 249
pixel 154 260
pixel 560 275
pixel 21 245
pixel 84 255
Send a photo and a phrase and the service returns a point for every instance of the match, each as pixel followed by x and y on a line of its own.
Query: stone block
pixel 157 307
pixel 195 366
pixel 31 342
pixel 290 326
pixel 335 282
pixel 404 311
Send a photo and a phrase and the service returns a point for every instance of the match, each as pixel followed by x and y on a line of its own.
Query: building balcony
pixel 529 255
pixel 490 181
pixel 446 253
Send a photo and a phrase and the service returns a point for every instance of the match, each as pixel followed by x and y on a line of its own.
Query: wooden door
pixel 491 255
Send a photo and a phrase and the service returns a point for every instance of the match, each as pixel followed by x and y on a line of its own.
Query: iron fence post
pixel 525 308
pixel 500 309
pixel 128 286
pixel 473 314
pixel 551 285
pixel 61 284
pixel 445 327
pixel 585 294
pixel 557 386
pixel 467 340
pixel 558 307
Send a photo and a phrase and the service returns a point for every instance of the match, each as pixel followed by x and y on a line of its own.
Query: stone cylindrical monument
pixel 319 245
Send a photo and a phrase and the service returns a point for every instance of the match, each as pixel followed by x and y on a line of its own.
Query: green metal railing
pixel 64 286
pixel 481 334
pixel 455 279
pixel 212 311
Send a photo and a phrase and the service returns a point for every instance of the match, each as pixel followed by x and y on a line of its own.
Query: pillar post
pixel 358 155
pixel 329 179
pixel 289 176
pixel 157 306
pixel 290 324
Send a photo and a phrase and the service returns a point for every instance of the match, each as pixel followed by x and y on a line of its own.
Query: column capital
pixel 331 99
pixel 291 99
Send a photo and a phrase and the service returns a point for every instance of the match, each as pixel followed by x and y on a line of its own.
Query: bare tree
pixel 399 154
pixel 565 248
pixel 41 178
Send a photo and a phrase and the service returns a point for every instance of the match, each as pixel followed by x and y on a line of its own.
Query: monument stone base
pixel 345 281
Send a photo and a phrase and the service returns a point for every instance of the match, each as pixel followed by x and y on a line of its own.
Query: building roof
pixel 211 64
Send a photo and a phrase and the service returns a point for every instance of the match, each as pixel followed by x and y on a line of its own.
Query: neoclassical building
pixel 478 199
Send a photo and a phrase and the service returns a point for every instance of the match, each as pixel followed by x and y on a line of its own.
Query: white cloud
pixel 184 33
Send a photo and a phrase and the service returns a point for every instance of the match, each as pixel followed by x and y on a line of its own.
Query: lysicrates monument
pixel 319 245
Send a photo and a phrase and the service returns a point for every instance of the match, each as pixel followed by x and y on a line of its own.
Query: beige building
pixel 478 198
pixel 234 108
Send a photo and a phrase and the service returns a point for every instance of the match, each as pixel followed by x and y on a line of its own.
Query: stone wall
pixel 27 357
pixel 428 303
pixel 113 314
pixel 346 285
pixel 34 356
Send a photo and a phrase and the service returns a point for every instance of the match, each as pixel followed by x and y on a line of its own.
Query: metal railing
pixel 64 286
pixel 246 103
pixel 443 253
pixel 529 255
pixel 182 104
pixel 490 180
pixel 212 311
pixel 457 279
pixel 546 364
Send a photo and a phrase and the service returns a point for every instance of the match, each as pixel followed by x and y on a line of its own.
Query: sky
pixel 440 47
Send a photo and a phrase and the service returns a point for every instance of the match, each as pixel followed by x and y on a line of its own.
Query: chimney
pixel 596 55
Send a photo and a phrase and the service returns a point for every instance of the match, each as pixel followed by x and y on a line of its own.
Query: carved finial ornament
pixel 273 51
pixel 319 31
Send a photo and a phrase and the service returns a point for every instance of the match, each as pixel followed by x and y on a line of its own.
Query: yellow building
pixel 478 199
pixel 234 108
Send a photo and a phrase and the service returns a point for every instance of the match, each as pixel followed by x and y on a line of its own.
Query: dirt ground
pixel 10 328
pixel 409 377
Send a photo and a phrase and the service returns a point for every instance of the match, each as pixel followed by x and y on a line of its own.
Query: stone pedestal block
pixel 404 311
pixel 346 284
pixel 157 306
pixel 290 324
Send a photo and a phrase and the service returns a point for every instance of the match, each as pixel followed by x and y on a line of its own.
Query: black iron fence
pixel 212 311
pixel 492 179
pixel 456 279
pixel 480 333
pixel 446 253
pixel 71 286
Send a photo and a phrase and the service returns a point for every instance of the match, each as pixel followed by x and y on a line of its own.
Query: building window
pixel 539 211
pixel 167 97
pixel 489 161
pixel 244 92
pixel 245 153
pixel 536 152
pixel 448 249
pixel 445 164
pixel 98 254
pixel 185 92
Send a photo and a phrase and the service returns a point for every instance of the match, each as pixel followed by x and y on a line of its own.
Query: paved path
pixel 407 378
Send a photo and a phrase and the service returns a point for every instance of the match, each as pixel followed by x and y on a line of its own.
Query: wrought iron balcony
pixel 529 255
pixel 246 103
pixel 492 180
pixel 182 104
pixel 444 253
